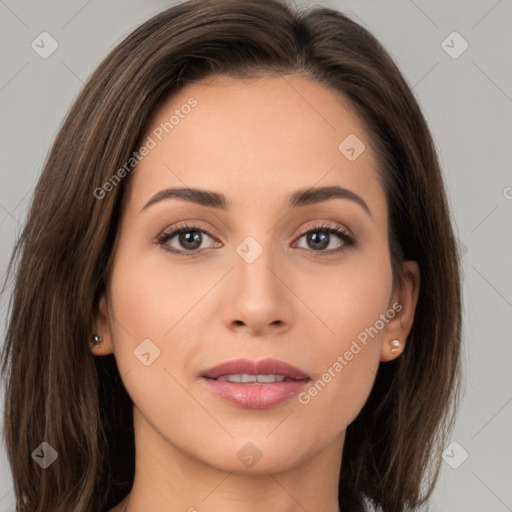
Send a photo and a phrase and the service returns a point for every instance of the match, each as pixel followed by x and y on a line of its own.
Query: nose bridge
pixel 255 258
pixel 258 299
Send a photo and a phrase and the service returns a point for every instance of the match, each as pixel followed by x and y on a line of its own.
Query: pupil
pixel 195 239
pixel 321 241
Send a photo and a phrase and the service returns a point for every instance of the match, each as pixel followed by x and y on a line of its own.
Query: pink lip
pixel 262 367
pixel 256 396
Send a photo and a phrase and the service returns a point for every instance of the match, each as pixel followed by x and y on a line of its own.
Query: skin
pixel 256 142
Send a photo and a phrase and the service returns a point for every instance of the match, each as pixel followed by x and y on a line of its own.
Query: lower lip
pixel 256 396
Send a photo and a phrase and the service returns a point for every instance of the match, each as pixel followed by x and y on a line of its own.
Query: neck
pixel 168 479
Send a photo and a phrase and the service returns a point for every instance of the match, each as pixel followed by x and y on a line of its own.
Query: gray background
pixel 468 103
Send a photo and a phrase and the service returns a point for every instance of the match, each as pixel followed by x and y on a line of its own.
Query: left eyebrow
pixel 298 199
pixel 318 195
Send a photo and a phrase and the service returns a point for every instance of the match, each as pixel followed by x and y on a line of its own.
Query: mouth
pixel 255 384
pixel 247 378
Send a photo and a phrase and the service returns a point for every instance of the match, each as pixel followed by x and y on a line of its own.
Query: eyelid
pixel 324 225
pixel 192 225
pixel 337 229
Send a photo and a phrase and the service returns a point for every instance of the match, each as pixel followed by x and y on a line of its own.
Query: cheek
pixel 350 297
pixel 148 321
pixel 151 336
pixel 354 310
pixel 148 297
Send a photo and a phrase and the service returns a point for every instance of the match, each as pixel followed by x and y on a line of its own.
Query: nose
pixel 259 300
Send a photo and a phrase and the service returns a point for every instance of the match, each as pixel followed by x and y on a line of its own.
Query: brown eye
pixel 186 240
pixel 189 239
pixel 322 237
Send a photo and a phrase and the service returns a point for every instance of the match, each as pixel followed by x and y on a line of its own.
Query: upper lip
pixel 262 367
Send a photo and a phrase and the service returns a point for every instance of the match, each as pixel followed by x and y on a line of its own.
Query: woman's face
pixel 252 276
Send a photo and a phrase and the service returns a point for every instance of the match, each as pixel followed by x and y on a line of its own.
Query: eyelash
pixel 347 239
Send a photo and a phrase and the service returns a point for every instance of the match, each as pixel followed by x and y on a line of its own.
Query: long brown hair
pixel 56 391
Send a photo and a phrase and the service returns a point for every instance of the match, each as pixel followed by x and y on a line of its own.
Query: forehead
pixel 276 133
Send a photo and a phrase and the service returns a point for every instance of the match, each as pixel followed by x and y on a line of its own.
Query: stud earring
pixel 395 344
pixel 96 340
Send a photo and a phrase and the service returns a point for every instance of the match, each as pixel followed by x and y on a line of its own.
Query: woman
pixel 238 286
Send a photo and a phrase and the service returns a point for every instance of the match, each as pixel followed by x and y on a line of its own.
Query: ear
pixel 102 328
pixel 404 300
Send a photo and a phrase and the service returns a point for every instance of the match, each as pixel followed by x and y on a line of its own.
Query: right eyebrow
pixel 193 195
